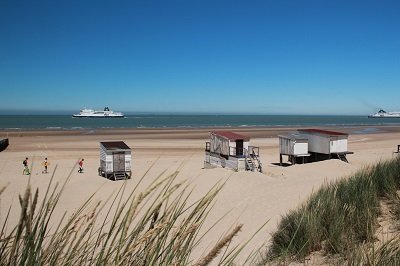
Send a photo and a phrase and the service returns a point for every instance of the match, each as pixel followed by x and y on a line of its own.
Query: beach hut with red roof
pixel 231 150
pixel 326 142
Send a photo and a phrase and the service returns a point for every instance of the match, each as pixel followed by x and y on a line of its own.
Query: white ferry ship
pixel 98 114
pixel 382 113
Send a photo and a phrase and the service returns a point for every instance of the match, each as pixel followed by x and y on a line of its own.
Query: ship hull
pixel 371 116
pixel 98 116
pixel 383 114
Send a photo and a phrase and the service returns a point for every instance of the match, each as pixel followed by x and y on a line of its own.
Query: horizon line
pixel 129 113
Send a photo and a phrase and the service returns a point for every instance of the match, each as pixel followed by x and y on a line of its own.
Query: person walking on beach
pixel 45 164
pixel 26 168
pixel 80 163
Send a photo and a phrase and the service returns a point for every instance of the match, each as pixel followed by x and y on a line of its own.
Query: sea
pixel 67 122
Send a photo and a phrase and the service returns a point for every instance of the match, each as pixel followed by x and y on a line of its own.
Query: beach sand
pixel 248 198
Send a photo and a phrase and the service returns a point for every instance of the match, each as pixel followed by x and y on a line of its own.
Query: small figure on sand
pixel 26 168
pixel 45 164
pixel 80 163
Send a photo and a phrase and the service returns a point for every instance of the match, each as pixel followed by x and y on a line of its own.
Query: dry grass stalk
pixel 134 205
pixel 94 211
pixel 79 240
pixel 32 209
pixel 181 236
pixel 2 189
pixel 155 216
pixel 217 248
pixel 159 183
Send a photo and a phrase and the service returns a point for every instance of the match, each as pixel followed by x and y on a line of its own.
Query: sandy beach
pixel 249 198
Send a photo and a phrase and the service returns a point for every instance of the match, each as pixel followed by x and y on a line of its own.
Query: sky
pixel 188 56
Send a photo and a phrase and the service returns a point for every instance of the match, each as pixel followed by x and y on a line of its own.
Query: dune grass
pixel 395 199
pixel 338 217
pixel 153 227
pixel 387 253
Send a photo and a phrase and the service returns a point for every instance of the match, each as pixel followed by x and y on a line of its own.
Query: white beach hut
pixel 115 160
pixel 294 145
pixel 231 150
pixel 327 142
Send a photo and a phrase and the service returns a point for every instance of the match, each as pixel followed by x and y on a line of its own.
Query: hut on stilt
pixel 293 145
pixel 314 145
pixel 231 150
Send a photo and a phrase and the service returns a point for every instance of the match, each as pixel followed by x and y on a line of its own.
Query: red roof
pixel 324 132
pixel 230 135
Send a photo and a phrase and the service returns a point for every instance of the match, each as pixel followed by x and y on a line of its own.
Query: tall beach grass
pixel 156 226
pixel 338 217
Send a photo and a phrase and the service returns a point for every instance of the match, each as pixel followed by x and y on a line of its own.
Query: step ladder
pixel 257 159
pixel 249 164
pixel 342 157
pixel 253 162
pixel 119 176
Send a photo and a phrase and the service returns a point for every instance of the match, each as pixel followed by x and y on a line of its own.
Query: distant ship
pixel 106 113
pixel 382 113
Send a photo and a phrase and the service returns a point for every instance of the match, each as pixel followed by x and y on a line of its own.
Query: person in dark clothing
pixel 45 165
pixel 26 168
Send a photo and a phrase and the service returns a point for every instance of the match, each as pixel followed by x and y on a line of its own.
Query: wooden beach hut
pixel 327 142
pixel 231 150
pixel 294 145
pixel 115 160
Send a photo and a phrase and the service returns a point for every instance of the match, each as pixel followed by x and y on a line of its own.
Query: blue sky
pixel 261 57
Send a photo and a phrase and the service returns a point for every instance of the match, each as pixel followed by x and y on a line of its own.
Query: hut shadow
pixel 282 164
pixel 314 158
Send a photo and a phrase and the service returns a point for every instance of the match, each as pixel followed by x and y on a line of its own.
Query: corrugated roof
pixel 231 135
pixel 115 145
pixel 323 132
pixel 294 136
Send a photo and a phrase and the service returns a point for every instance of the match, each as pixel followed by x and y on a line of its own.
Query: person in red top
pixel 80 163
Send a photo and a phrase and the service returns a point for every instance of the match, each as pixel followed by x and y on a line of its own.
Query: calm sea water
pixel 65 122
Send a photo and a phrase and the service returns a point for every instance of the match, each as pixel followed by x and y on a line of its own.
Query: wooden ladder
pixel 253 162
pixel 249 164
pixel 249 161
pixel 119 176
pixel 257 159
pixel 342 157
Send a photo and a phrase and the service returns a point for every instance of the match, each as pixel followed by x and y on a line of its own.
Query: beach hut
pixel 231 150
pixel 115 160
pixel 398 150
pixel 327 142
pixel 294 145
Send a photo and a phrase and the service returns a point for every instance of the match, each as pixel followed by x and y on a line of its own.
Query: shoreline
pixel 196 132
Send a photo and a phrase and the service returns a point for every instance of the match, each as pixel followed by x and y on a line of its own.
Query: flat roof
pixel 322 132
pixel 230 135
pixel 115 145
pixel 294 136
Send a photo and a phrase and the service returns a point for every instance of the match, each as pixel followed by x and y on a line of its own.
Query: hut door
pixel 119 162
pixel 239 147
